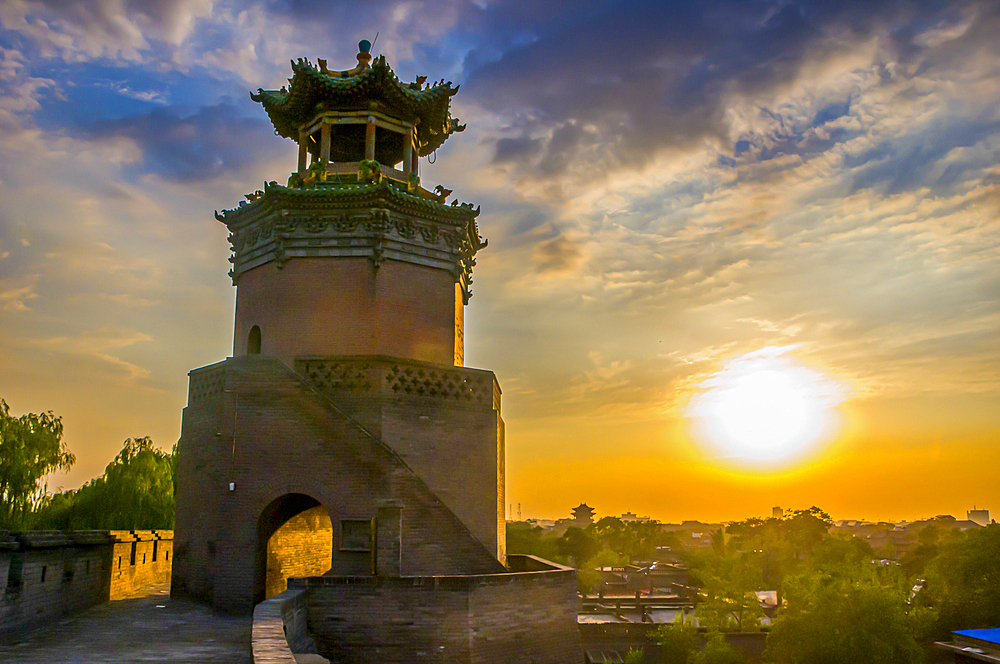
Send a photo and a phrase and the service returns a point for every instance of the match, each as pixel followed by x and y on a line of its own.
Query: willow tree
pixel 135 492
pixel 31 447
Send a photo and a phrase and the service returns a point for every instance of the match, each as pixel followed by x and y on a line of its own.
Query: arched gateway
pixel 294 538
pixel 346 398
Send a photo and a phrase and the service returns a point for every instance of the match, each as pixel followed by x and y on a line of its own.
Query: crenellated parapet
pixel 48 574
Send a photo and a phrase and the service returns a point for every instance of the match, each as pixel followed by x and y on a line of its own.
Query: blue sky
pixel 666 187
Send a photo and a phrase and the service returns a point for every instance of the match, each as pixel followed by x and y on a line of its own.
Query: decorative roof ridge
pixel 463 210
pixel 380 69
pixel 312 87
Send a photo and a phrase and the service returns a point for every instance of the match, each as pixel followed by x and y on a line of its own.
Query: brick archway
pixel 294 538
pixel 278 500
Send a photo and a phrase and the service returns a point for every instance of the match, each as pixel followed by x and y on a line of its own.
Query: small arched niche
pixel 253 341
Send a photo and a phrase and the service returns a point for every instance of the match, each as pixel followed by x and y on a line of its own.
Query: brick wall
pixel 303 546
pixel 437 419
pixel 50 574
pixel 140 558
pixel 475 619
pixel 278 624
pixel 255 425
pixel 319 306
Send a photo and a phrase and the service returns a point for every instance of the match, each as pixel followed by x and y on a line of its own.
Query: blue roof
pixel 991 635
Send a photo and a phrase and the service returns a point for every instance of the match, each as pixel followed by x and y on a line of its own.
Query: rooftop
pixel 313 90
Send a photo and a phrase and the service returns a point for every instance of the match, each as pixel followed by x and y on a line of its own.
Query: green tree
pixel 139 487
pixel 31 447
pixel 807 528
pixel 678 642
pixel 772 549
pixel 717 651
pixel 532 540
pixel 963 582
pixel 841 551
pixel 857 615
pixel 588 579
pixel 579 545
pixel 730 576
pixel 136 491
pixel 732 603
pixel 610 531
pixel 634 656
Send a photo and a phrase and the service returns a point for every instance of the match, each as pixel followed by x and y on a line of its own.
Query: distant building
pixel 982 517
pixel 583 515
pixel 630 516
pixel 974 645
pixel 896 539
pixel 777 512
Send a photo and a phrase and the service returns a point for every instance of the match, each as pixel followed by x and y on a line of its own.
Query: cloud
pixel 16 291
pixel 216 141
pixel 665 186
pixel 515 149
pixel 20 93
pixel 75 30
pixel 556 255
pixel 122 88
pixel 617 85
pixel 94 350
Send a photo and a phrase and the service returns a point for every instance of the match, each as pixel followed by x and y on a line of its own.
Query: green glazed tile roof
pixel 344 195
pixel 312 91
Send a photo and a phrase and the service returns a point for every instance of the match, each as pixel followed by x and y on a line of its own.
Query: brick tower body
pixel 346 390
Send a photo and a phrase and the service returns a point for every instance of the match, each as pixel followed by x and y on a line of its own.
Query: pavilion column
pixel 324 145
pixel 414 157
pixel 370 138
pixel 408 154
pixel 303 137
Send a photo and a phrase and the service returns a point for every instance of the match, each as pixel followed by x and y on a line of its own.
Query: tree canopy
pixel 31 447
pixel 855 615
pixel 838 600
pixel 136 491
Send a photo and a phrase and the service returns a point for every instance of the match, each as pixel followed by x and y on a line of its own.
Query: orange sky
pixel 824 182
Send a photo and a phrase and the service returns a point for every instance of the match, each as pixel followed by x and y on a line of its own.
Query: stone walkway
pixel 154 628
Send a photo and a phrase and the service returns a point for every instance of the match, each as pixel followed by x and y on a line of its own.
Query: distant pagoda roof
pixel 313 90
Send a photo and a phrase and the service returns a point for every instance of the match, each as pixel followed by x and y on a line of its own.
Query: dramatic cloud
pixel 212 143
pixel 87 29
pixel 618 84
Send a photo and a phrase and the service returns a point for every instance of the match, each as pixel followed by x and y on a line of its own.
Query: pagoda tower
pixel 384 266
pixel 346 392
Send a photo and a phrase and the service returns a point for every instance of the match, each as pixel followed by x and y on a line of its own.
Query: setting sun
pixel 765 407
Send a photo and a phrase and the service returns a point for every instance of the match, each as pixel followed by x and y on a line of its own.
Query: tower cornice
pixel 377 221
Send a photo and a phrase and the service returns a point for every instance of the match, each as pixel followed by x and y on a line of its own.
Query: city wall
pixel 526 614
pixel 279 628
pixel 49 574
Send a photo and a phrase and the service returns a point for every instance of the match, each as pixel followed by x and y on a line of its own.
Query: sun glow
pixel 764 407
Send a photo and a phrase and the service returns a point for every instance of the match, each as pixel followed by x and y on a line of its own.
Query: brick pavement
pixel 153 628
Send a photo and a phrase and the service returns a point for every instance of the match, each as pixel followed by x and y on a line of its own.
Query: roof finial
pixel 364 53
